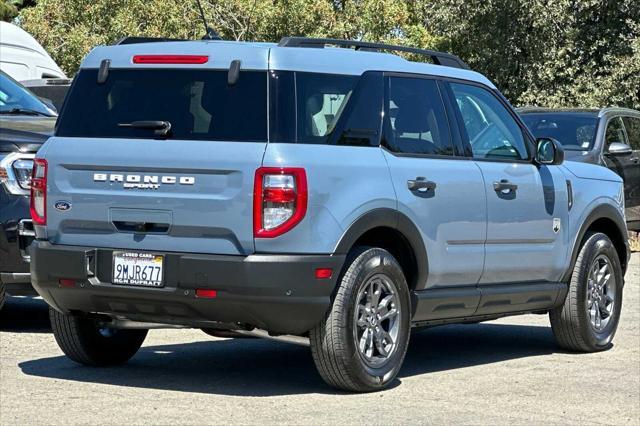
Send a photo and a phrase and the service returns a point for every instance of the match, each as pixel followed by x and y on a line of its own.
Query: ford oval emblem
pixel 63 206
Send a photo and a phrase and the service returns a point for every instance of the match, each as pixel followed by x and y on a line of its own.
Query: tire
pixel 3 296
pixel 572 322
pixel 84 342
pixel 335 341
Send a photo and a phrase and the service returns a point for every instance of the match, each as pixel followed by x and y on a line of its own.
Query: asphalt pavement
pixel 508 371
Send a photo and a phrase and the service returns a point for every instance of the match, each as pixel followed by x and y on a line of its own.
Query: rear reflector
pixel 324 273
pixel 65 282
pixel 206 294
pixel 170 59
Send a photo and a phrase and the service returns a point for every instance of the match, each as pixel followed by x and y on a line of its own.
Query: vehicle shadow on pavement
pixel 25 315
pixel 458 346
pixel 255 367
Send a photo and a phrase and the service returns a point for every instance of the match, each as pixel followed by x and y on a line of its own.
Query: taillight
pixel 39 192
pixel 279 200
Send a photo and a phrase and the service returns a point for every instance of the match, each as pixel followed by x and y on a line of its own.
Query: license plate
pixel 139 269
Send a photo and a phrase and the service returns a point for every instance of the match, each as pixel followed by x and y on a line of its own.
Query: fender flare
pixel 603 211
pixel 385 217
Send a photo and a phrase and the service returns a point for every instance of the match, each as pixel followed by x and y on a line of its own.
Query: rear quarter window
pixel 199 104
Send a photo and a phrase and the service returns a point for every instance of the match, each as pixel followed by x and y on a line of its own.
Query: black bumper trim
pixel 15 278
pixel 278 293
pixel 17 283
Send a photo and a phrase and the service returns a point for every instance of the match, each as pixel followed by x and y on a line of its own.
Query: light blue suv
pixel 315 188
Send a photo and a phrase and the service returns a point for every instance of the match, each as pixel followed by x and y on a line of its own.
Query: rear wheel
pixel 86 342
pixel 361 343
pixel 589 317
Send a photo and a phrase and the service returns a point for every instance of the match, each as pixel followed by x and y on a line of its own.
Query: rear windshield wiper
pixel 162 128
pixel 24 111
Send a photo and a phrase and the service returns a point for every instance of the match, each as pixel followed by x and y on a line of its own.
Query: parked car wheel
pixel 361 343
pixel 3 295
pixel 86 342
pixel 589 317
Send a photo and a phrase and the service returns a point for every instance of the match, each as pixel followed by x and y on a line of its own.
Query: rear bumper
pixel 278 293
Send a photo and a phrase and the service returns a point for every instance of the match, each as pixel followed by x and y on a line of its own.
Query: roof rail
pixel 438 58
pixel 136 40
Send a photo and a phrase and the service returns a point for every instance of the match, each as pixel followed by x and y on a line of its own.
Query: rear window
pixel 199 104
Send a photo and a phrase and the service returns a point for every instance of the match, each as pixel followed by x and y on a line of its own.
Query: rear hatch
pixel 115 182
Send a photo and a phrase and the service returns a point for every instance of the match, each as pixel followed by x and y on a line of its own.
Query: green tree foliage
pixel 9 8
pixel 547 52
pixel 68 29
pixel 543 52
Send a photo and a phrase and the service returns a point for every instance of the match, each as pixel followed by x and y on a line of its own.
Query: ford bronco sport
pixel 316 188
pixel 25 124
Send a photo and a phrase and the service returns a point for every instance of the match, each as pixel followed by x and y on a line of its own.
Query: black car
pixel 25 124
pixel 608 136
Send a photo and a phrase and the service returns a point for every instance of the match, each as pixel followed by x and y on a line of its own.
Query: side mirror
pixel 619 149
pixel 549 152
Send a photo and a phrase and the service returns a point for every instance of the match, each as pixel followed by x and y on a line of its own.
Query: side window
pixel 492 131
pixel 360 125
pixel 321 99
pixel 415 118
pixel 632 124
pixel 615 132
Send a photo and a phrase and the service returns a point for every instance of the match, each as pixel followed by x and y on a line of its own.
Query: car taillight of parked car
pixel 280 200
pixel 39 192
pixel 15 173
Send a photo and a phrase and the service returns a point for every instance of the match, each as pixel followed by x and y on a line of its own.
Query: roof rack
pixel 136 40
pixel 438 58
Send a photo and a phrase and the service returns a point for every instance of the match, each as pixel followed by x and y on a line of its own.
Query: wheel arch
pixel 395 232
pixel 606 219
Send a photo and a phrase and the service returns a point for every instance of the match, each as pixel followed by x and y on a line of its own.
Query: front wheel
pixel 361 343
pixel 589 317
pixel 86 342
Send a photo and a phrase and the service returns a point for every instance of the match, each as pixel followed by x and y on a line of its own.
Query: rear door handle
pixel 504 186
pixel 421 184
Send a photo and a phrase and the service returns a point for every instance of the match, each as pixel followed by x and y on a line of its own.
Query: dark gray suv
pixel 608 136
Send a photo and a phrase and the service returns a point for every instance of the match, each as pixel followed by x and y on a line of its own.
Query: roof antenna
pixel 210 33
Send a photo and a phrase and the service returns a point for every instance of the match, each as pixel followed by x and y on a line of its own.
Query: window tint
pixel 282 111
pixel 199 104
pixel 615 132
pixel 493 133
pixel 321 99
pixel 415 119
pixel 632 125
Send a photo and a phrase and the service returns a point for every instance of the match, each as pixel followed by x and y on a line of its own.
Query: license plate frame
pixel 150 273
